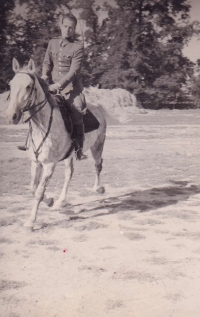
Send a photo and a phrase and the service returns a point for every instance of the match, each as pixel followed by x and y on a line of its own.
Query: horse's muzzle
pixel 15 118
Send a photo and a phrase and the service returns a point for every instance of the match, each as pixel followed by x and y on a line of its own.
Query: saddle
pixel 90 121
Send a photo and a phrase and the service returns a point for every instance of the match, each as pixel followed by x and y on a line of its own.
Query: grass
pixel 15 176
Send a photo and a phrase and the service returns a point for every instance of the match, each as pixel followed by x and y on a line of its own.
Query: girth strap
pixel 69 152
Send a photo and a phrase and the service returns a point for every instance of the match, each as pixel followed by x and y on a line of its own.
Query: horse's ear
pixel 15 65
pixel 31 66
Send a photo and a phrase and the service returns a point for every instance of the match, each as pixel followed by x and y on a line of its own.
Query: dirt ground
pixel 133 251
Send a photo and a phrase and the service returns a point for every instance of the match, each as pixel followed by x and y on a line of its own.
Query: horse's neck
pixel 41 118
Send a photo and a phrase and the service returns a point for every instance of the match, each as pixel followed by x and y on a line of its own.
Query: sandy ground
pixel 133 251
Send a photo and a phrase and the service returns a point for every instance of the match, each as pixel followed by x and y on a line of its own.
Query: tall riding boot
pixel 24 147
pixel 79 134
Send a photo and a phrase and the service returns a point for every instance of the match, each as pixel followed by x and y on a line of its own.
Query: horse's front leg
pixel 69 169
pixel 36 172
pixel 48 170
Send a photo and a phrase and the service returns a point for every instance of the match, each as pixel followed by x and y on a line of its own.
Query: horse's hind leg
pixel 39 193
pixel 36 173
pixel 69 169
pixel 96 151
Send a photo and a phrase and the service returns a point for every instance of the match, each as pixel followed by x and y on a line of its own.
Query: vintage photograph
pixel 99 158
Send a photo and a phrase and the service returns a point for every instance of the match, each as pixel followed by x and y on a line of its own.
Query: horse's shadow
pixel 142 200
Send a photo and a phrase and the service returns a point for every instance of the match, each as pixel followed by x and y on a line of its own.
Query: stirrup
pixel 80 156
pixel 22 148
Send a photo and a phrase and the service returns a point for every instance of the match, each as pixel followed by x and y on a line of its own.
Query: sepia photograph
pixel 99 158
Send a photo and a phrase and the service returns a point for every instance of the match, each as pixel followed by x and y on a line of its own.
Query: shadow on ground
pixel 144 200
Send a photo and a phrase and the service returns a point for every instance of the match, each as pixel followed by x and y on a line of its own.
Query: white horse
pixel 49 141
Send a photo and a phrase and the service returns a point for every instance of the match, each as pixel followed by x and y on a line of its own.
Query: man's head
pixel 67 25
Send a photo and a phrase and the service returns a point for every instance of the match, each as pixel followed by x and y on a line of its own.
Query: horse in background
pixel 49 140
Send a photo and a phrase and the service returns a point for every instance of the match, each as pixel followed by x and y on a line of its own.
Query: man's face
pixel 67 28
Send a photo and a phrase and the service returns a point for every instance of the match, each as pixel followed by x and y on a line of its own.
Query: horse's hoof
pixel 56 206
pixel 28 230
pixel 100 190
pixel 28 225
pixel 51 203
pixel 59 204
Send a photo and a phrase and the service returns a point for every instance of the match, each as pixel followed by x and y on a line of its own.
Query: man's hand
pixel 44 77
pixel 54 88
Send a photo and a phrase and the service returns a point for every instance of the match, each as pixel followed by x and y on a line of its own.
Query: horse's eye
pixel 28 87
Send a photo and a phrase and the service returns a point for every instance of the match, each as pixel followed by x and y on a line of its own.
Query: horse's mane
pixel 43 84
pixel 45 88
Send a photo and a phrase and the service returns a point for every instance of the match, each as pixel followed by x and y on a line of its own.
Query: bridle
pixel 30 105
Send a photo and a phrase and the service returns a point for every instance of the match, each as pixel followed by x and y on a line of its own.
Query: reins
pixel 46 134
pixel 45 101
pixel 29 107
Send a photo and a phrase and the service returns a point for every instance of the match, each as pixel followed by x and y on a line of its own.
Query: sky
pixel 193 49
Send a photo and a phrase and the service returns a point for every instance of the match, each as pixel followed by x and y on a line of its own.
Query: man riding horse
pixel 62 64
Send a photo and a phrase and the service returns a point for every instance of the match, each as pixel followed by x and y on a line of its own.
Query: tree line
pixel 137 46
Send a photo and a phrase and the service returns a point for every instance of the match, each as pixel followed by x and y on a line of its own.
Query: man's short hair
pixel 69 16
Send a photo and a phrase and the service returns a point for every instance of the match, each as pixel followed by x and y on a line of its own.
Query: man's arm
pixel 74 68
pixel 47 63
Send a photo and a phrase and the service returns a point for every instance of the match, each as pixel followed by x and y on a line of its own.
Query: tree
pixel 137 40
pixel 194 84
pixel 26 35
pixel 89 14
pixel 143 39
pixel 6 7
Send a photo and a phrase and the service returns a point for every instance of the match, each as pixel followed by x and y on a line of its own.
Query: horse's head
pixel 21 88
